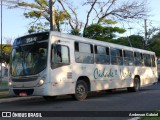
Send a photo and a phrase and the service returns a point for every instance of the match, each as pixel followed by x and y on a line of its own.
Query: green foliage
pixel 94 31
pixel 149 118
pixel 41 11
pixel 137 41
pixel 154 44
pixel 66 12
pixel 39 27
pixel 107 33
pixel 60 18
pixel 6 50
pixel 99 32
pixel 131 41
pixel 75 32
pixel 107 21
pixel 33 14
pixel 43 2
pixel 62 15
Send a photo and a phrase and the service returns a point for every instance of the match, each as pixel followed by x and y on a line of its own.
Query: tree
pixel 116 10
pixel 67 12
pixel 135 41
pixel 75 32
pixel 6 51
pixel 102 31
pixel 155 43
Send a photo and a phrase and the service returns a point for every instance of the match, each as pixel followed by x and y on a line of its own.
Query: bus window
pixel 60 55
pixel 29 59
pixel 153 60
pixel 84 53
pixel 116 56
pixel 147 60
pixel 128 58
pixel 102 55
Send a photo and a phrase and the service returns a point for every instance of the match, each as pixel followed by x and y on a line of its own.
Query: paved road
pixel 146 100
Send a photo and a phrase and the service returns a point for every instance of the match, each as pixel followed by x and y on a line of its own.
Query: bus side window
pixel 53 57
pixel 84 53
pixel 116 56
pixel 102 55
pixel 60 54
pixel 153 60
pixel 128 58
pixel 147 60
pixel 76 47
pixel 138 59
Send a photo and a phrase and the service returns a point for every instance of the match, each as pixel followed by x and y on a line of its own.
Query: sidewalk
pixel 5 97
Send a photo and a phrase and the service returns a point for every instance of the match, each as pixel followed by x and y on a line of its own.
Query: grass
pixel 5 96
pixel 4 89
pixel 4 83
pixel 3 86
pixel 150 118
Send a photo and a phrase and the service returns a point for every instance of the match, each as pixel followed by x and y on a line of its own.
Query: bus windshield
pixel 29 59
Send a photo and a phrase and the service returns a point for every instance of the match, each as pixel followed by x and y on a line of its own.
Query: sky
pixel 15 24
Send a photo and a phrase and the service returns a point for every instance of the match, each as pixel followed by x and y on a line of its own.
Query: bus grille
pixel 28 91
pixel 24 79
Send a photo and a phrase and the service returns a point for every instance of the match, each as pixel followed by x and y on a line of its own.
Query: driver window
pixel 60 54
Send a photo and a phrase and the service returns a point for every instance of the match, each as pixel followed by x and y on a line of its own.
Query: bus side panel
pixel 61 81
pixel 111 77
pixel 103 77
pixel 148 75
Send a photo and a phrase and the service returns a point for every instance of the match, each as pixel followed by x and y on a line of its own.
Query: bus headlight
pixel 9 83
pixel 41 82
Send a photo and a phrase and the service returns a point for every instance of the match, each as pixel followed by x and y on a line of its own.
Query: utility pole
pixel 52 15
pixel 129 36
pixel 1 40
pixel 145 33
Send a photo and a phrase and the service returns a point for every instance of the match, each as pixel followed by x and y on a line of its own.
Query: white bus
pixel 158 69
pixel 51 63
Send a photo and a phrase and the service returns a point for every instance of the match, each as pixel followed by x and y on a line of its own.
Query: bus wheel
pixel 81 91
pixel 49 98
pixel 136 86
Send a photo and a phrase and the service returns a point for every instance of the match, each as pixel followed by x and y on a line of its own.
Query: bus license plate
pixel 22 94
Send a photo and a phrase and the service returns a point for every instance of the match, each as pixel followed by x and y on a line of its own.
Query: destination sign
pixel 31 38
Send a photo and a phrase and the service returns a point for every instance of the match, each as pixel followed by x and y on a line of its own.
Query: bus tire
pixel 136 86
pixel 81 91
pixel 49 98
